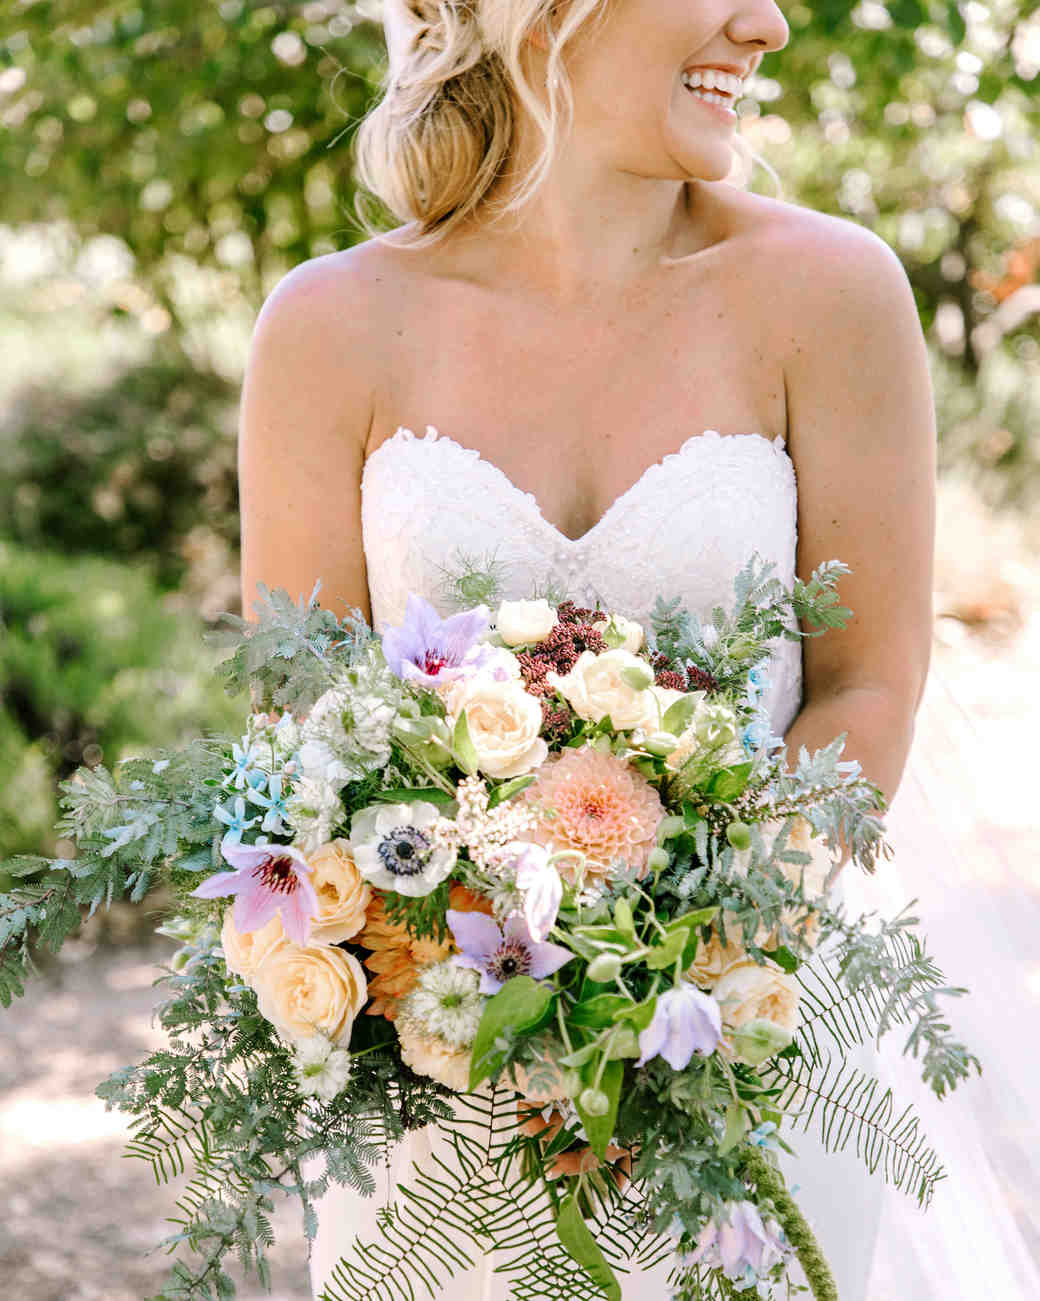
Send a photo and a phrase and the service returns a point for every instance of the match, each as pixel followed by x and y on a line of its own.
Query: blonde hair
pixel 442 133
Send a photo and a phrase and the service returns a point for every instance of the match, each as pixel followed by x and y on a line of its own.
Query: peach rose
pixel 245 950
pixel 748 992
pixel 427 1055
pixel 713 958
pixel 343 893
pixel 308 990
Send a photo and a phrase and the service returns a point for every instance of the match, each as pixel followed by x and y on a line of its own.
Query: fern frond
pixel 164 1138
pixel 847 1102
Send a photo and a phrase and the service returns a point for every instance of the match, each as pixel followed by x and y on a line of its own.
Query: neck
pixel 589 228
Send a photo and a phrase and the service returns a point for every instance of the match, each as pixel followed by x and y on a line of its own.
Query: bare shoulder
pixel 810 262
pixel 338 297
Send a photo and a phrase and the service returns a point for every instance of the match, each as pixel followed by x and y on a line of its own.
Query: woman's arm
pixel 862 432
pixel 304 422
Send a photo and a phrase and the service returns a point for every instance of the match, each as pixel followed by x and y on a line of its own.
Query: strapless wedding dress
pixel 430 507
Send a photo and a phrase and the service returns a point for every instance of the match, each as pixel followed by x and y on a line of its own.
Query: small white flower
pixel 444 1002
pixel 394 849
pixel 321 1069
pixel 313 808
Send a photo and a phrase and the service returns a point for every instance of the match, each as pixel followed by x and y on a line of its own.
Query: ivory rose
pixel 343 893
pixel 713 730
pixel 521 622
pixel 748 992
pixel 595 688
pixel 504 721
pixel 623 634
pixel 308 990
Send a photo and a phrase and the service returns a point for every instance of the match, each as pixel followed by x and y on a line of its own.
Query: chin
pixel 700 158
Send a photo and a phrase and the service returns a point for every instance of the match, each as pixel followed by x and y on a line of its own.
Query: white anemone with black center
pixel 393 849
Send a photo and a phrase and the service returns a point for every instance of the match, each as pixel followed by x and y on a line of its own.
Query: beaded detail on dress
pixel 685 527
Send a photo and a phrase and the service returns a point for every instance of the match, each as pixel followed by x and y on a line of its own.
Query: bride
pixel 586 364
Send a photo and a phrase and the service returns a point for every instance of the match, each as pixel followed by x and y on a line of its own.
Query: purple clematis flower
pixel 686 1021
pixel 743 1247
pixel 501 954
pixel 268 879
pixel 432 651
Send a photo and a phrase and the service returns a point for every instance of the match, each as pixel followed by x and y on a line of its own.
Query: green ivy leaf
pixel 508 789
pixel 728 783
pixel 520 1003
pixel 406 794
pixel 736 1127
pixel 678 714
pixel 462 746
pixel 665 953
pixel 577 1238
pixel 599 1011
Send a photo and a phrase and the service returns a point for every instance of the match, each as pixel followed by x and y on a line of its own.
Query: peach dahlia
pixel 596 803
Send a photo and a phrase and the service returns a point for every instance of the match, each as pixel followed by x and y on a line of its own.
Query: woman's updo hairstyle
pixel 440 137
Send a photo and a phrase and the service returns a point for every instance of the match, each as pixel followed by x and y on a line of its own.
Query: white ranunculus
pixel 504 722
pixel 595 688
pixel 520 622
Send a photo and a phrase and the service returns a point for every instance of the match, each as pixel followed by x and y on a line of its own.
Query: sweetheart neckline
pixel 706 437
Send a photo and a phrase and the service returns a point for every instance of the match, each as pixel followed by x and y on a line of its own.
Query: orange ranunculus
pixel 397 955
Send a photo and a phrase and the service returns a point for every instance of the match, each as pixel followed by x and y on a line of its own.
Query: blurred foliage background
pixel 164 163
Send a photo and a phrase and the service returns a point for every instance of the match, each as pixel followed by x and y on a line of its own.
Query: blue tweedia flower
pixel 757 682
pixel 273 802
pixel 764 1135
pixel 754 736
pixel 235 822
pixel 244 772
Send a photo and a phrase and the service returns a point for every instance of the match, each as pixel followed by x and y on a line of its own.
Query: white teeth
pixel 713 79
pixel 712 97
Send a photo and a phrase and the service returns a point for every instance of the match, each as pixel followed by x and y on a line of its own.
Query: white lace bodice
pixel 685 527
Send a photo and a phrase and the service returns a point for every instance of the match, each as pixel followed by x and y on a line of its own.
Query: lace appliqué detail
pixel 685 526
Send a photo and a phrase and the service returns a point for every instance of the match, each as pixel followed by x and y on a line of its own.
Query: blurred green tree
pixel 94 666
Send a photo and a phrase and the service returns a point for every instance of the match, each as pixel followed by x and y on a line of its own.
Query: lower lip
pixel 722 111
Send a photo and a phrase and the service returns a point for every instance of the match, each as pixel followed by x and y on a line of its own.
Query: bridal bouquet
pixel 546 881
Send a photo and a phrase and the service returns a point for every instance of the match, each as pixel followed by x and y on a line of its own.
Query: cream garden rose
pixel 595 688
pixel 748 992
pixel 713 958
pixel 305 990
pixel 503 721
pixel 343 893
pixel 520 622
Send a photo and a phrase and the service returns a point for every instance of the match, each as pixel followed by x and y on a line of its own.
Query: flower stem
pixel 769 1182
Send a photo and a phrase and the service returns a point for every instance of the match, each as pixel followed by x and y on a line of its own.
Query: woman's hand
pixel 618 1161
